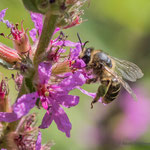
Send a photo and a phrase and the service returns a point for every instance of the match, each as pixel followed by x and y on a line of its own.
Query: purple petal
pixel 24 104
pixel 79 63
pixel 2 13
pixel 76 51
pixel 44 71
pixel 62 120
pixel 8 117
pixel 89 93
pixel 20 108
pixel 68 84
pixel 38 142
pixel 56 30
pixel 33 33
pixel 47 120
pixel 8 24
pixel 38 21
pixel 68 100
pixel 70 44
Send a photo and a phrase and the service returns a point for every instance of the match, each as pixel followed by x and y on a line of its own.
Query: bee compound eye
pixel 51 1
pixel 88 52
pixel 86 59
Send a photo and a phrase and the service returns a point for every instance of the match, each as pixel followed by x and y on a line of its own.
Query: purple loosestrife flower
pixel 58 95
pixel 51 96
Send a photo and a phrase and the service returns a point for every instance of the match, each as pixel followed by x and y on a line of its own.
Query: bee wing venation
pixel 128 88
pixel 123 83
pixel 127 70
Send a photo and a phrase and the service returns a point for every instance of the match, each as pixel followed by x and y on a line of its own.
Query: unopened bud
pixel 9 55
pixel 4 101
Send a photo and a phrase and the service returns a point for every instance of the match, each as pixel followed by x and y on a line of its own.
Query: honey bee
pixel 110 71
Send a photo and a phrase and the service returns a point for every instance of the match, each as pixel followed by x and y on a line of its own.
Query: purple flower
pixel 38 21
pixel 51 96
pixel 2 14
pixel 59 96
pixel 135 119
pixel 38 24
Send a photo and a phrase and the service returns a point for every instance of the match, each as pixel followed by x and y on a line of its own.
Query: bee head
pixel 85 54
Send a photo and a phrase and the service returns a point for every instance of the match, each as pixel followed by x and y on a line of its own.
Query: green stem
pixel 47 32
pixel 28 85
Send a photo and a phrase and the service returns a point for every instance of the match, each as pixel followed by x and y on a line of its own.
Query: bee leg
pixel 93 80
pixel 101 92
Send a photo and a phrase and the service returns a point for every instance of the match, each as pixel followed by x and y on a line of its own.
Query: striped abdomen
pixel 113 91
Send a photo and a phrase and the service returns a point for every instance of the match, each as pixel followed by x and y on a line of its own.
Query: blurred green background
pixel 122 29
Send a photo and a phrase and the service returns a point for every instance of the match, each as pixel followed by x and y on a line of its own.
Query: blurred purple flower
pixel 136 115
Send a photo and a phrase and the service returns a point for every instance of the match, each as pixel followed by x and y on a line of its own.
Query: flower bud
pixel 8 54
pixel 40 6
pixel 4 101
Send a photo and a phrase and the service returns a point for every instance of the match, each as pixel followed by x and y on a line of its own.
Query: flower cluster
pixel 56 76
pixel 46 74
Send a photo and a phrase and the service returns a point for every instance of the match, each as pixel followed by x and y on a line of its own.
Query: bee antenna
pixel 85 44
pixel 82 46
pixel 79 39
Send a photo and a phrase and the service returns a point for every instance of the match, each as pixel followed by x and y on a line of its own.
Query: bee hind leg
pixel 101 92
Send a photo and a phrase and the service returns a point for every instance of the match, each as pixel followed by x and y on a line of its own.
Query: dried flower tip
pixel 20 39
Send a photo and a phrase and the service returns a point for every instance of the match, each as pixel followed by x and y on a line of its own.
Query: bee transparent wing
pixel 127 70
pixel 128 88
pixel 123 83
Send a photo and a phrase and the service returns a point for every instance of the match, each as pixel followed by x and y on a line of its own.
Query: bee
pixel 110 71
